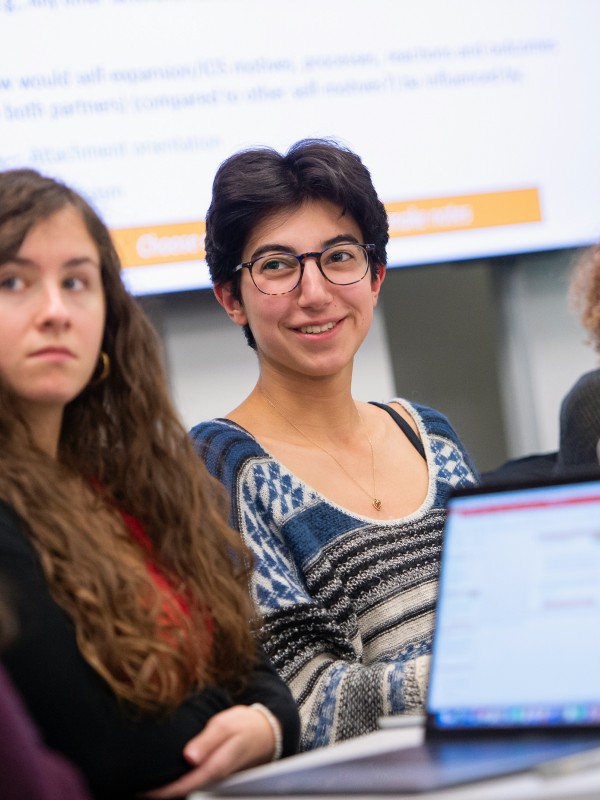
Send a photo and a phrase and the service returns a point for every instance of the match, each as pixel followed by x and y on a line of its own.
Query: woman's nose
pixel 53 312
pixel 314 286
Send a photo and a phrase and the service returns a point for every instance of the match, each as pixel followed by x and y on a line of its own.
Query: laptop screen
pixel 517 640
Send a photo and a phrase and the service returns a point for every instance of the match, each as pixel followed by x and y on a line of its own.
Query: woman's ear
pixel 234 308
pixel 376 283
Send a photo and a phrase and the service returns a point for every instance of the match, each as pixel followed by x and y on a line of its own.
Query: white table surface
pixel 531 785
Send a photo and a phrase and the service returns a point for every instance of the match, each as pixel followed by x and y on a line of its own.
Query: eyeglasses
pixel 280 273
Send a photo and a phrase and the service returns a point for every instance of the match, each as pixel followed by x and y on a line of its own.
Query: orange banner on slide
pixel 160 244
pixel 463 212
pixel 184 241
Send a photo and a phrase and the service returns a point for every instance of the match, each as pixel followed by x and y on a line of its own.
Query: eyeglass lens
pixel 277 273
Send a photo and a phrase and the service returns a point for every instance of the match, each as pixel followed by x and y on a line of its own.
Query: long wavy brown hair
pixel 584 292
pixel 123 449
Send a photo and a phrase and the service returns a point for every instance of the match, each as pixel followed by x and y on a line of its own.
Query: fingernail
pixel 192 755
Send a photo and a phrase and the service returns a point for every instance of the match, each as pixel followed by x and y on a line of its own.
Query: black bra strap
pixel 408 431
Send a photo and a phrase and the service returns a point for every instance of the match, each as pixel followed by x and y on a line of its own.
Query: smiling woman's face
pixel 52 313
pixel 316 328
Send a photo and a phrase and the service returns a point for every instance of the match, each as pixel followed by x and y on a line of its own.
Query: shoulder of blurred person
pixel 30 770
pixel 580 423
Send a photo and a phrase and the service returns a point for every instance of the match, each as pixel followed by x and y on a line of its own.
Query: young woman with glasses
pixel 133 652
pixel 341 502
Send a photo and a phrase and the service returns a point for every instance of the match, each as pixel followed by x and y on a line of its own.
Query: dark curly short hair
pixel 254 184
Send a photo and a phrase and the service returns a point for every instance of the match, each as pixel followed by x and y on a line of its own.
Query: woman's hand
pixel 234 739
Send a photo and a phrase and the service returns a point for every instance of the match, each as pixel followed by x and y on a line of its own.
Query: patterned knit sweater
pixel 347 602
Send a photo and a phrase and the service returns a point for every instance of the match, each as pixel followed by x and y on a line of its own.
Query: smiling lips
pixel 318 328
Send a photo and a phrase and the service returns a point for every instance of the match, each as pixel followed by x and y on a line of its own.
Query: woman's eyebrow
pixel 17 261
pixel 340 239
pixel 270 248
pixel 82 261
pixel 77 261
pixel 275 247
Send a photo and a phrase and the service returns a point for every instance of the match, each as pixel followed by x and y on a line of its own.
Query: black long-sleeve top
pixel 119 751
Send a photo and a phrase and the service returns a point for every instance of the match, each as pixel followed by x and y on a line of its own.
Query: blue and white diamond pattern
pixel 450 465
pixel 269 495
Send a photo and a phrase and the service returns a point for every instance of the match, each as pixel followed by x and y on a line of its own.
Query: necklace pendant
pixel 376 504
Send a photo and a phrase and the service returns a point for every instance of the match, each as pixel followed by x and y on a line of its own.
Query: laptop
pixel 515 669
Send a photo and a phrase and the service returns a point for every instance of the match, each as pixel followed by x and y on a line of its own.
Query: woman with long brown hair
pixel 135 656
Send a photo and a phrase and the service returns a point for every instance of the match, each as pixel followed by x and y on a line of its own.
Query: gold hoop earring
pixel 103 369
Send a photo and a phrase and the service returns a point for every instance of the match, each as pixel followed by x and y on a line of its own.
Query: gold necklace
pixel 375 501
